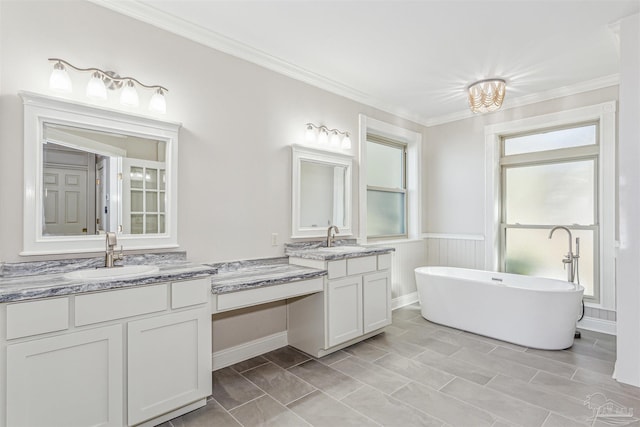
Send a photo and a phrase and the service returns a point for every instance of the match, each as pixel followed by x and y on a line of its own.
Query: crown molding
pixel 149 14
pixel 160 19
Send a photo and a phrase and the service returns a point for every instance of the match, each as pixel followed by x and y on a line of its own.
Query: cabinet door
pixel 169 363
pixel 344 309
pixel 68 380
pixel 377 301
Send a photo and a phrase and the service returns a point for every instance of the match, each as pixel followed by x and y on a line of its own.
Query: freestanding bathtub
pixel 529 311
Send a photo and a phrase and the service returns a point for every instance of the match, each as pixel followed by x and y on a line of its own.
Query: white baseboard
pixel 229 356
pixel 403 300
pixel 598 325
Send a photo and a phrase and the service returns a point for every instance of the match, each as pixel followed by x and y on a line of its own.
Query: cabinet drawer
pixel 111 305
pixel 361 265
pixel 37 317
pixel 261 295
pixel 336 269
pixel 190 292
pixel 384 262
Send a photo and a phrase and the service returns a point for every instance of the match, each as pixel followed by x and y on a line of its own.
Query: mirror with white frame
pixel 321 192
pixel 89 171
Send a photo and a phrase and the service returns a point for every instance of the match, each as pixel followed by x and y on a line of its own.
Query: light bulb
pixel 346 142
pixel 158 103
pixel 335 139
pixel 129 95
pixel 96 87
pixel 310 134
pixel 323 138
pixel 59 79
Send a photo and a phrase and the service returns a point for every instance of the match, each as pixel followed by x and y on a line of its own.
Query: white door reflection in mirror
pixel 65 201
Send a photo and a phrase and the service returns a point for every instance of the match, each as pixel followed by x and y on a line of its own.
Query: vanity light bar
pixel 102 80
pixel 322 135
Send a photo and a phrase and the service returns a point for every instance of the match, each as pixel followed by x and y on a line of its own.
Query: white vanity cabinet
pixel 355 304
pixel 133 356
pixel 169 363
pixel 73 379
pixel 344 310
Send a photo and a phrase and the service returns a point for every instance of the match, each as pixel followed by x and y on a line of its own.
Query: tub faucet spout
pixel 570 260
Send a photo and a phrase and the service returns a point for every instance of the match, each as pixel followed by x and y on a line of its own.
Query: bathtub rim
pixel 571 287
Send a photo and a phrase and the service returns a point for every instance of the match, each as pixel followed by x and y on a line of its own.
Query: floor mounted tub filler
pixel 530 311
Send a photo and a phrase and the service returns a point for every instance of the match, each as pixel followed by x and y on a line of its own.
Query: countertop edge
pixel 81 287
pixel 218 289
pixel 324 256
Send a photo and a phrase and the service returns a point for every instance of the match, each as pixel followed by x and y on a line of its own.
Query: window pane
pixel 551 140
pixel 385 165
pixel 556 193
pixel 152 179
pixel 531 252
pixel 152 223
pixel 152 201
pixel 136 177
pixel 136 201
pixel 137 224
pixel 163 201
pixel 385 213
pixel 163 177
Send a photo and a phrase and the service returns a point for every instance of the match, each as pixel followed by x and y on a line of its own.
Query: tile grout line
pixel 299 398
pixel 244 403
pixel 257 366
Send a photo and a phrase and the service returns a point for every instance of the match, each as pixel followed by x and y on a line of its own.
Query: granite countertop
pixel 43 279
pixel 319 251
pixel 243 275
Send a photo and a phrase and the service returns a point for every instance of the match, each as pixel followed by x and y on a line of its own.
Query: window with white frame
pixel 549 177
pixel 386 161
pixel 394 184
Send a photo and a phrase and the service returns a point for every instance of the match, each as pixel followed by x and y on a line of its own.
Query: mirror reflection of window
pixel 321 194
pixel 83 176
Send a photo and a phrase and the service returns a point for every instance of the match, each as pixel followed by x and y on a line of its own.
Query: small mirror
pixel 321 192
pixel 89 170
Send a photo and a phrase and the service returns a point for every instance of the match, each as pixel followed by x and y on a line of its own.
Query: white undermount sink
pixel 113 273
pixel 342 249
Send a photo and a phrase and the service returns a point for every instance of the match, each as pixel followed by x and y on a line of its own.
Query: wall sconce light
pixel 102 80
pixel 324 136
pixel 486 95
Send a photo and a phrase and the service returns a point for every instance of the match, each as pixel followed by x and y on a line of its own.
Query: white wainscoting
pixel 455 251
pixel 408 256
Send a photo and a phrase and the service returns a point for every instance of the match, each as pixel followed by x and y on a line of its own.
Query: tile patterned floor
pixel 420 374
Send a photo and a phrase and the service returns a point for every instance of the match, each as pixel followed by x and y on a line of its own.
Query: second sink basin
pixel 114 273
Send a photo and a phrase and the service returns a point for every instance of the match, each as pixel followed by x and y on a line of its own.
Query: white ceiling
pixel 413 58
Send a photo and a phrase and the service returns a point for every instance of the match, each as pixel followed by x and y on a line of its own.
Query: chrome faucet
pixel 110 256
pixel 331 238
pixel 570 260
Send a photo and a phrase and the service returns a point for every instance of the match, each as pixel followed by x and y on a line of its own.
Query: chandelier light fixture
pixel 486 95
pixel 102 80
pixel 324 136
